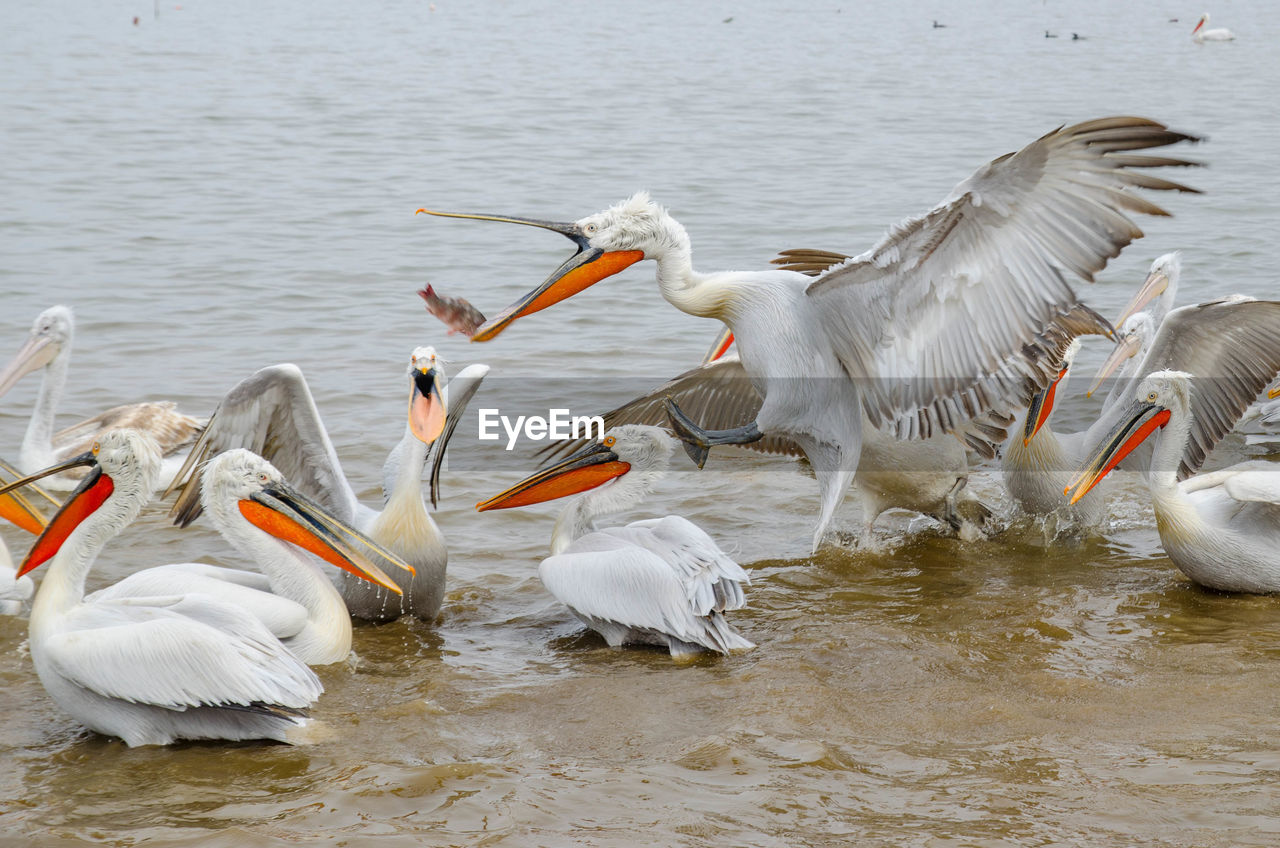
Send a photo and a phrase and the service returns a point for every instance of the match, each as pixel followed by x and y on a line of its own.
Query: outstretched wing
pixel 172 429
pixel 272 414
pixel 967 308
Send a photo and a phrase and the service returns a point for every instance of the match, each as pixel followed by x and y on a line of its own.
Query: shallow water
pixel 228 186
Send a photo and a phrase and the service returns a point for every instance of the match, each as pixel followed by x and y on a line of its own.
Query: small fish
pixel 458 315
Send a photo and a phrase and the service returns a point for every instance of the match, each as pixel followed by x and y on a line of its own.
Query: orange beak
pixel 591 467
pixel 1040 407
pixel 18 510
pixel 1139 422
pixel 719 347
pixel 585 268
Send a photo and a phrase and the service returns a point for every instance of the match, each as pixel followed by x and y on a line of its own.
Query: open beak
pixel 1152 287
pixel 16 509
pixel 427 410
pixel 1126 349
pixel 586 469
pixel 1138 422
pixel 1040 407
pixel 36 353
pixel 283 512
pixel 92 492
pixel 588 266
pixel 719 347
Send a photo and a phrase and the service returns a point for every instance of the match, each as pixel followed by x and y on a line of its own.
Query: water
pixel 231 185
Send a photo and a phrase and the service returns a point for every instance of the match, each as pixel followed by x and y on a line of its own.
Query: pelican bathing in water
pixel 959 312
pixel 1200 34
pixel 272 413
pixel 153 670
pixel 662 581
pixel 48 348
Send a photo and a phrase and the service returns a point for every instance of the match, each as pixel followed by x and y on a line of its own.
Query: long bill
pixel 1125 349
pixel 719 347
pixel 19 511
pixel 427 408
pixel 92 492
pixel 1152 287
pixel 35 353
pixel 1137 423
pixel 593 466
pixel 585 268
pixel 285 513
pixel 1040 407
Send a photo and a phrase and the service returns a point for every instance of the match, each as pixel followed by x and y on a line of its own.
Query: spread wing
pixel 171 429
pixel 966 308
pixel 272 414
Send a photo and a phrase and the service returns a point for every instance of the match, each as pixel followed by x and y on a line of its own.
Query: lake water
pixel 231 185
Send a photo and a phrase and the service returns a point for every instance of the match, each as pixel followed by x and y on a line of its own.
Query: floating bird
pixel 244 496
pixel 937 25
pixel 1075 36
pixel 1200 35
pixel 1048 34
pixel 151 670
pixel 48 347
pixel 662 581
pixel 273 414
pixel 1222 529
pixel 952 314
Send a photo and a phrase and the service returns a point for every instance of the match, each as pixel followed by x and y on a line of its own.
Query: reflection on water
pixel 232 185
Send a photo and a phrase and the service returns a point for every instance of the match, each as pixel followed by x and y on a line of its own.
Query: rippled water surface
pixel 232 185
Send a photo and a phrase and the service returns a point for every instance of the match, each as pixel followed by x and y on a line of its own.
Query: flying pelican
pixel 154 670
pixel 1202 35
pixel 48 347
pixel 662 581
pixel 273 414
pixel 291 595
pixel 952 314
pixel 1222 529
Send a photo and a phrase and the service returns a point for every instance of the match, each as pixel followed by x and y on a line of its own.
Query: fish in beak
pixel 92 493
pixel 427 409
pixel 1126 349
pixel 719 347
pixel 1040 407
pixel 283 512
pixel 588 266
pixel 1138 422
pixel 37 352
pixel 586 469
pixel 1152 287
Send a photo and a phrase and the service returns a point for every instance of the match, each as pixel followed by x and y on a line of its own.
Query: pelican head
pixel 1042 401
pixel 641 451
pixel 50 335
pixel 608 242
pixel 124 459
pixel 239 483
pixel 1204 21
pixel 427 408
pixel 1158 398
pixel 1132 339
pixel 1161 281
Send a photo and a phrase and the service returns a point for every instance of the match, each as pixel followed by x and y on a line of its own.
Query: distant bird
pixel 661 581
pixel 1075 36
pixel 1200 35
pixel 937 25
pixel 728 20
pixel 48 347
pixel 1048 34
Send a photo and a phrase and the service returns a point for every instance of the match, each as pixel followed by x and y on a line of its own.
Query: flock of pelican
pixel 887 370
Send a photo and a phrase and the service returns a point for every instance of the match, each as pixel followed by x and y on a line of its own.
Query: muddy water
pixel 226 186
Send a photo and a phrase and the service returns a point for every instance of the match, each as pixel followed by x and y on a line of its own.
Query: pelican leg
pixel 698 442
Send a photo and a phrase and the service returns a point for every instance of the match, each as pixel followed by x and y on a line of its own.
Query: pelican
pixel 662 581
pixel 1222 529
pixel 1139 322
pixel 273 414
pixel 154 670
pixel 1202 35
pixel 48 347
pixel 1263 420
pixel 952 314
pixel 291 595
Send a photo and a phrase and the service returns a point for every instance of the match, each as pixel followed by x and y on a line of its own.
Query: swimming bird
pixel 273 414
pixel 291 594
pixel 48 347
pixel 1200 35
pixel 661 581
pixel 151 670
pixel 1222 529
pixel 955 313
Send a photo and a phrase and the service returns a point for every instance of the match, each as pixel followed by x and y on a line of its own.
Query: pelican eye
pixel 591 229
pixel 263 477
pixel 96 447
pixel 610 441
pixel 1151 396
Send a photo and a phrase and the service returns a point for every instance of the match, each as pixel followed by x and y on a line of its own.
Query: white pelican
pixel 292 595
pixel 925 475
pixel 273 414
pixel 662 581
pixel 1200 35
pixel 1222 529
pixel 152 670
pixel 952 314
pixel 48 347
pixel 1138 323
